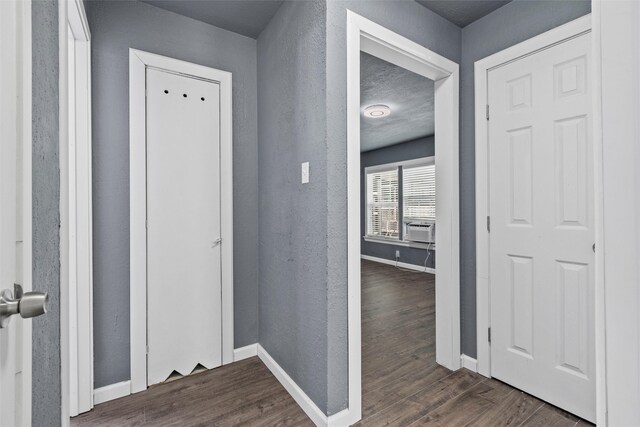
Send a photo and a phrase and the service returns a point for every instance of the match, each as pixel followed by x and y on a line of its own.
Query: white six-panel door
pixel 542 226
pixel 184 323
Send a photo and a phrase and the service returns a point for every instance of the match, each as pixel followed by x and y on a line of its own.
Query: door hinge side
pixel 488 224
pixel 487 112
pixel 489 335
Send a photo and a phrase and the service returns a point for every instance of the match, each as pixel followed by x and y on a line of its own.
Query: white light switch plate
pixel 305 172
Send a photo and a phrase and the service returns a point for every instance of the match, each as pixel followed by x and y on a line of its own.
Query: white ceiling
pixel 409 95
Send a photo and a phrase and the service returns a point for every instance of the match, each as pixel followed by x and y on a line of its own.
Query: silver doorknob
pixel 30 304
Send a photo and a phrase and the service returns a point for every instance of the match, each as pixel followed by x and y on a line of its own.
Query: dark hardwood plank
pixel 513 410
pixel 468 406
pixel 447 389
pixel 550 416
pixel 401 413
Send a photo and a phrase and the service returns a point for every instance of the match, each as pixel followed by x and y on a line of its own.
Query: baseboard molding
pixel 341 419
pixel 400 264
pixel 245 352
pixel 111 392
pixel 469 362
pixel 308 406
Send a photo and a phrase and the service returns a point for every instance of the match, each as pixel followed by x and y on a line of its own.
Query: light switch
pixel 305 172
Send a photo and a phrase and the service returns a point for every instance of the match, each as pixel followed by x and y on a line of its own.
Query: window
pixel 382 204
pixel 419 193
pixel 387 209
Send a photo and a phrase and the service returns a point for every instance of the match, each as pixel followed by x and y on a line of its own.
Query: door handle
pixel 27 305
pixel 216 243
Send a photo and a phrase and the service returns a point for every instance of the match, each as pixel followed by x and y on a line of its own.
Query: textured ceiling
pixel 409 95
pixel 463 12
pixel 246 17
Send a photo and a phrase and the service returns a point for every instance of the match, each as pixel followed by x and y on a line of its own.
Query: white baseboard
pixel 400 264
pixel 308 406
pixel 245 352
pixel 469 362
pixel 111 392
pixel 341 419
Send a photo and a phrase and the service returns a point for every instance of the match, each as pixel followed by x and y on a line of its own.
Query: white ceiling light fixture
pixel 377 111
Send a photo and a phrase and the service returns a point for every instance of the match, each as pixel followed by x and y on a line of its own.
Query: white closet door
pixel 542 226
pixel 15 336
pixel 183 225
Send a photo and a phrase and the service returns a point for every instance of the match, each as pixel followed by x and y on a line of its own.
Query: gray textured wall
pixel 115 27
pixel 507 26
pixel 293 220
pixel 422 26
pixel 416 149
pixel 46 217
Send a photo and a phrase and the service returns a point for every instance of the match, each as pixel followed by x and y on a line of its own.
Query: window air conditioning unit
pixel 423 232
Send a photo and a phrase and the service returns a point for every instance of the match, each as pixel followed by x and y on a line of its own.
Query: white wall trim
pixel 617 142
pixel 77 192
pixel 469 362
pixel 245 352
pixel 482 67
pixel 111 392
pixel 304 401
pixel 27 201
pixel 365 35
pixel 138 63
pixel 66 298
pixel 308 406
pixel 400 264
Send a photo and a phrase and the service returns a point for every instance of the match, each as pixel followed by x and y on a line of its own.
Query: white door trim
pixel 365 35
pixel 63 159
pixel 138 63
pixel 27 196
pixel 76 256
pixel 482 67
pixel 617 138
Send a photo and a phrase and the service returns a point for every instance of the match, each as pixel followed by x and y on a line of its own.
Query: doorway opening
pixel 386 215
pixel 398 209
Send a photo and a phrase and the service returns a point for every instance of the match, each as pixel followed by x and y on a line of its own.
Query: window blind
pixel 382 204
pixel 419 192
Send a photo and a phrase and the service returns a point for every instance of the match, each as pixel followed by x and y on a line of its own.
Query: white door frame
pixel 76 248
pixel 482 67
pixel 17 27
pixel 365 35
pixel 138 63
pixel 617 103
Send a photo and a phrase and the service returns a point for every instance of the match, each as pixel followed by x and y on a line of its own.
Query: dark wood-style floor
pixel 241 394
pixel 402 385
